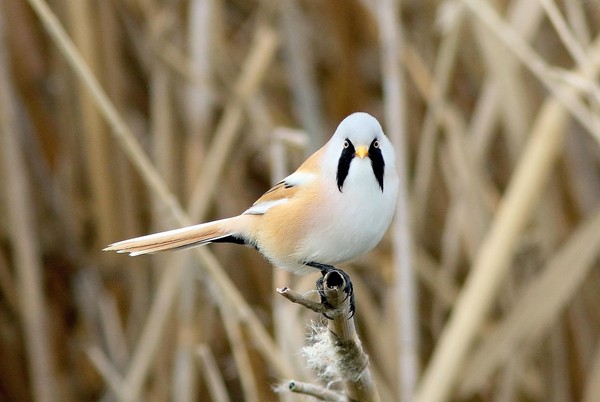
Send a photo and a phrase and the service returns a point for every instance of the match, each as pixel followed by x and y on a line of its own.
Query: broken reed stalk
pixel 350 358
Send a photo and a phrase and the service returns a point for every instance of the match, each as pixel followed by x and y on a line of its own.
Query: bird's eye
pixel 376 144
pixel 346 144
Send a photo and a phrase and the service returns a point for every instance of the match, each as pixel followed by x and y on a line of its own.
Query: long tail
pixel 190 236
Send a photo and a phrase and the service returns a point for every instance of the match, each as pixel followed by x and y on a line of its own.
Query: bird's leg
pixel 348 289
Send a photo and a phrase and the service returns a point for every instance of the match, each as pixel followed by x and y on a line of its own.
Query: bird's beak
pixel 361 152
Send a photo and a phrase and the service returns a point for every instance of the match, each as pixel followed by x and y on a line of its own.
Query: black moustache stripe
pixel 344 164
pixel 377 163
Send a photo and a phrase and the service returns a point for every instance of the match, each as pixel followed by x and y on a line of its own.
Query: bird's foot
pixel 336 278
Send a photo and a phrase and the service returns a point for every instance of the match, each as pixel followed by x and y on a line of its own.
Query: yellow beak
pixel 361 152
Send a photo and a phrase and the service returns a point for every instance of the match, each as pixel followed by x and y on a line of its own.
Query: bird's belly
pixel 332 228
pixel 347 232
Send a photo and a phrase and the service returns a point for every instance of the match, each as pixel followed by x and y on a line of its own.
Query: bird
pixel 336 206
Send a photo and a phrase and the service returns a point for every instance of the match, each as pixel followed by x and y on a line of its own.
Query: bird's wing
pixel 289 187
pixel 281 193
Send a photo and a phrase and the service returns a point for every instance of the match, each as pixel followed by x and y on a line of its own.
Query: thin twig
pixel 315 391
pixel 302 300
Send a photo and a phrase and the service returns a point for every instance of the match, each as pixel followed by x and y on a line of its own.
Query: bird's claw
pixel 348 289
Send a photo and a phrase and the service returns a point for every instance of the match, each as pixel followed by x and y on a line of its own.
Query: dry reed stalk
pixel 185 369
pixel 7 283
pixel 161 118
pixel 260 337
pixel 371 320
pixel 574 47
pixel 240 352
pixel 450 120
pixel 110 373
pixel 584 335
pixel 591 391
pixel 473 194
pixel 559 382
pixel 213 378
pixel 149 341
pixel 254 68
pixel 127 202
pixel 533 312
pixel 82 20
pixel 536 64
pixel 253 71
pixel 170 279
pixel 287 327
pixel 459 157
pixel 300 64
pixel 167 290
pixel 119 128
pixel 576 17
pixel 493 259
pixel 164 139
pixel 200 99
pixel 506 77
pixel 112 330
pixel 580 162
pixel 477 120
pixel 404 286
pixel 525 16
pixel 437 280
pixel 375 331
pixel 424 164
pixel 27 258
pixel 492 262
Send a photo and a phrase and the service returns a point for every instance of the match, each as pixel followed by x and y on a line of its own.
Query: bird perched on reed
pixel 336 206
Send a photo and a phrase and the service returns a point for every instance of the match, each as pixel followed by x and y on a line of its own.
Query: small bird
pixel 336 206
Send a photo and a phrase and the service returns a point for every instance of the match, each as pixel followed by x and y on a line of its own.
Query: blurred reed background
pixel 494 296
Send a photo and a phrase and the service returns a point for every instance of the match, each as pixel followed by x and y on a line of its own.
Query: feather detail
pixel 263 207
pixel 281 192
pixel 191 236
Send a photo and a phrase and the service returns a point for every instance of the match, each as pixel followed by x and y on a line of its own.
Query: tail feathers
pixel 190 236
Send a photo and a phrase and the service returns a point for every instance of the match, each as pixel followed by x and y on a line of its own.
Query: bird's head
pixel 358 140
